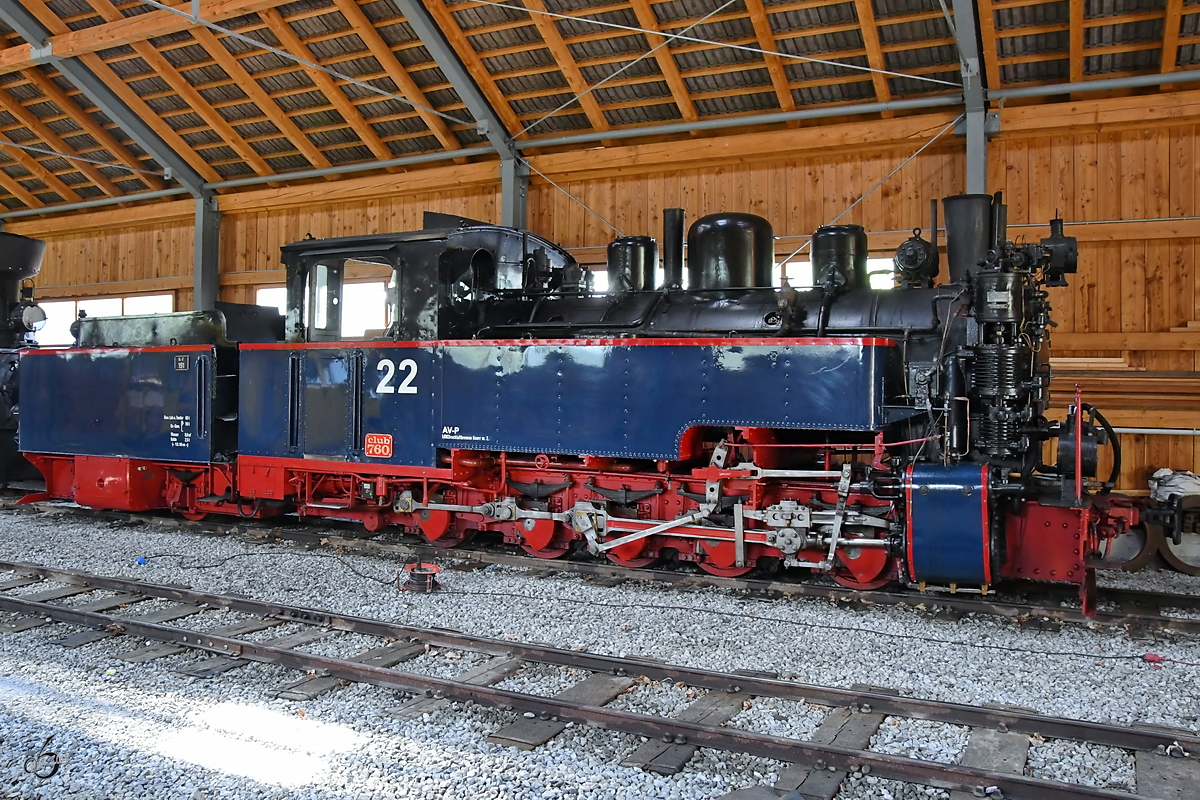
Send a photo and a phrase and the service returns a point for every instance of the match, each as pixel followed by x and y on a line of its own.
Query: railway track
pixel 1028 604
pixel 94 608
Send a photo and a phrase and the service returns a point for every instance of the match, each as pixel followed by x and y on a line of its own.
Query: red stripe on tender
pixel 804 341
pixel 174 348
pixel 908 486
pixel 346 467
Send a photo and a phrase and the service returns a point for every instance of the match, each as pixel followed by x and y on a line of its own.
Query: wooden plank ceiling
pixel 233 109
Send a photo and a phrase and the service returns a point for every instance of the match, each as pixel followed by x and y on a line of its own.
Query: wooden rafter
pixel 987 53
pixel 103 137
pixel 1076 34
pixel 566 63
pixel 37 170
pixel 325 83
pixel 396 71
pixel 766 41
pixel 1172 18
pixel 870 36
pixel 234 69
pixel 474 64
pixel 666 62
pixel 53 141
pixel 14 187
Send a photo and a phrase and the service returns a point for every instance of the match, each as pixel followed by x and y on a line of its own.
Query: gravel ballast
pixel 143 730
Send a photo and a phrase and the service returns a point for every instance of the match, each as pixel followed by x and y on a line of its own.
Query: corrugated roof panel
pixel 319 26
pixel 607 95
pixel 663 112
pixel 717 57
pixel 264 62
pixel 1189 54
pixel 171 104
pixel 199 76
pixel 200 138
pixel 182 56
pixel 1038 14
pixel 813 70
pixel 511 62
pixel 672 11
pixel 1057 42
pixel 1146 30
pixel 222 94
pixel 581 27
pixel 301 101
pixel 737 104
pixel 718 31
pixel 337 136
pixel 899 33
pixel 288 162
pixel 262 127
pixel 285 82
pixel 358 92
pixel 1093 9
pixel 25 92
pixel 477 17
pixel 562 123
pixel 900 60
pixel 219 153
pixel 834 93
pixel 531 83
pixel 634 43
pixel 399 127
pixel 128 68
pixel 427 77
pixel 414 56
pixel 341 46
pixel 800 19
pixel 719 82
pixel 1190 24
pixel 822 43
pixel 901 87
pixel 380 11
pixel 1121 62
pixel 69 8
pixel 240 111
pixel 397 33
pixel 384 107
pixel 442 97
pixel 524 35
pixel 543 104
pixel 280 144
pixel 343 155
pixel 567 6
pixel 418 144
pixel 317 119
pixel 1056 70
pixel 359 67
pixel 893 8
pixel 302 6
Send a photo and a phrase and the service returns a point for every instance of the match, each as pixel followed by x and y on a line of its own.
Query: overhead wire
pixel 881 182
pixel 46 151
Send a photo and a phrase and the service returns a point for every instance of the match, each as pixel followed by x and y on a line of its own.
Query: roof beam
pixel 13 186
pixel 766 41
pixel 436 27
pixel 987 35
pixel 103 137
pixel 139 126
pixel 126 30
pixel 407 87
pixel 325 83
pixel 666 61
pixel 870 36
pixel 1075 31
pixel 1172 18
pixel 38 170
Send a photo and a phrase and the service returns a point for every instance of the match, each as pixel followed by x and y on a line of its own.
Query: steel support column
pixel 514 192
pixel 966 37
pixel 207 243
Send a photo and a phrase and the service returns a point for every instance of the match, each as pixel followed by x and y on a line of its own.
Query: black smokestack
pixel 672 247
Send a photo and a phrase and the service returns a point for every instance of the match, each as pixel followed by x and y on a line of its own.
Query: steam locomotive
pixel 868 435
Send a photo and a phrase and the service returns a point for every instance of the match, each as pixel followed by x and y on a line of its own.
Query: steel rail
pixel 954 713
pixel 1134 613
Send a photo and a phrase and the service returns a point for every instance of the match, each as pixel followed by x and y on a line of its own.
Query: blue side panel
pixel 121 402
pixel 322 402
pixel 638 400
pixel 264 395
pixel 949 537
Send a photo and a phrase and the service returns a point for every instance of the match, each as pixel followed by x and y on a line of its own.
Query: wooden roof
pixel 233 109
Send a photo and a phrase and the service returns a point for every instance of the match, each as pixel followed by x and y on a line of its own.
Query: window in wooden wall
pixel 61 313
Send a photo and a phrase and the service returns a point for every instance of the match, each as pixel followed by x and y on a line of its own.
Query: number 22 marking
pixel 388 368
